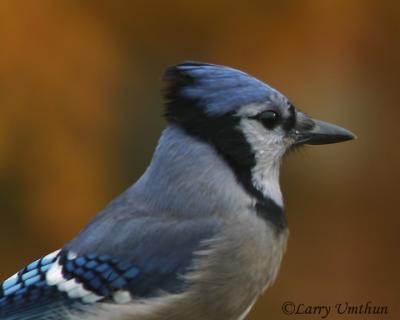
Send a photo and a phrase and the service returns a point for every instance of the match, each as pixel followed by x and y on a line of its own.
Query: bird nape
pixel 202 233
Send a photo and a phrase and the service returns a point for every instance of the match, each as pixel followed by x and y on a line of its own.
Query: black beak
pixel 312 131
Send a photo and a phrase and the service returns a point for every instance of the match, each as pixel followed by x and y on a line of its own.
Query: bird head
pixel 250 124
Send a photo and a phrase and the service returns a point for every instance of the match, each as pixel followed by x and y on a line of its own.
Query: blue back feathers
pixel 161 248
pixel 215 90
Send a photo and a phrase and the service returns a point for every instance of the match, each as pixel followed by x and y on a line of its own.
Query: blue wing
pixel 21 294
pixel 112 260
pixel 162 248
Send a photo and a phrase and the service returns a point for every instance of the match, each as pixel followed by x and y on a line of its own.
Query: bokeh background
pixel 80 116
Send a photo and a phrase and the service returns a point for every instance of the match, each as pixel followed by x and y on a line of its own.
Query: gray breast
pixel 244 261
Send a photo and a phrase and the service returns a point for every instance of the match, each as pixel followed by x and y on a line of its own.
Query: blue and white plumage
pixel 201 234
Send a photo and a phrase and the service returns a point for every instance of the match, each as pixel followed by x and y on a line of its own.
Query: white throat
pixel 268 151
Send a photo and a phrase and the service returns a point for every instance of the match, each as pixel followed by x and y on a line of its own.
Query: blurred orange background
pixel 81 114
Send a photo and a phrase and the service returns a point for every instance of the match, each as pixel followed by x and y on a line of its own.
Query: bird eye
pixel 269 118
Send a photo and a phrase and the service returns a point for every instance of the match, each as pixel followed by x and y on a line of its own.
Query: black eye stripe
pixel 290 122
pixel 269 118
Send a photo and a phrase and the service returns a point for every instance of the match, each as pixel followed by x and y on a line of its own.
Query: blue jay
pixel 202 233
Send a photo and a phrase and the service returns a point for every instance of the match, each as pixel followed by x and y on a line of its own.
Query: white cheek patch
pixel 268 147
